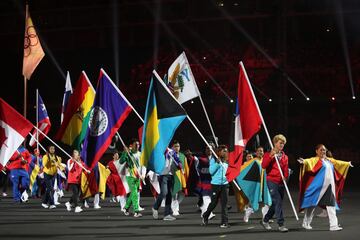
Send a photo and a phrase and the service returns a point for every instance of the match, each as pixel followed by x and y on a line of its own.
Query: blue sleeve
pixel 214 166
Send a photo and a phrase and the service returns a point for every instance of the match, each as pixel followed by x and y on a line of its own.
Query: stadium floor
pixel 31 221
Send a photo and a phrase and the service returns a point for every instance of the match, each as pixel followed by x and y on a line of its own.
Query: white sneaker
pixel 248 212
pixel 137 214
pixel 78 209
pixel 176 213
pixel 68 206
pixel 211 216
pixel 4 194
pixel 44 205
pixel 266 225
pixel 86 205
pixel 113 199
pixel 155 213
pixel 52 207
pixel 306 226
pixel 24 196
pixel 57 203
pixel 141 209
pixel 336 228
pixel 97 206
pixel 169 218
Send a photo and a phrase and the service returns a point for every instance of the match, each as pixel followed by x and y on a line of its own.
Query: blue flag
pixel 109 111
pixel 163 115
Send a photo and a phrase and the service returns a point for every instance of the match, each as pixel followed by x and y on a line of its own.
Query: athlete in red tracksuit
pixel 74 180
pixel 275 181
pixel 19 166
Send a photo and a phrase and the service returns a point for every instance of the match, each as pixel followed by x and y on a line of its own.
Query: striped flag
pixel 77 113
pixel 109 111
pixel 44 123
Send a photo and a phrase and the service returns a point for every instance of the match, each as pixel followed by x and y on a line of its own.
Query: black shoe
pixel 205 221
pixel 229 207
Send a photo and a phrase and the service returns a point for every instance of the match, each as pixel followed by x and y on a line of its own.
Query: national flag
pixel 33 52
pixel 316 185
pixel 67 93
pixel 163 115
pixel 95 181
pixel 253 185
pixel 117 182
pixel 181 81
pixel 247 123
pixel 13 130
pixel 44 123
pixel 109 111
pixel 77 113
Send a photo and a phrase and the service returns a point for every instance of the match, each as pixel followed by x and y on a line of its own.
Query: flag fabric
pixel 77 113
pixel 163 115
pixel 252 182
pixel 181 81
pixel 247 123
pixel 322 182
pixel 110 110
pixel 13 130
pixel 95 181
pixel 33 52
pixel 44 123
pixel 67 93
pixel 117 182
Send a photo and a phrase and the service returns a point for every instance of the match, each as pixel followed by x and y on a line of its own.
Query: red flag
pixel 13 130
pixel 247 123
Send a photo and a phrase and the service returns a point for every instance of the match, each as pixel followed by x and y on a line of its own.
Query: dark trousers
pixel 74 188
pixel 48 197
pixel 277 196
pixel 221 191
pixel 4 181
pixel 166 186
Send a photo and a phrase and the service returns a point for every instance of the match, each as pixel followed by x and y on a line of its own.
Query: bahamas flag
pixel 322 182
pixel 109 111
pixel 254 189
pixel 163 115
pixel 77 113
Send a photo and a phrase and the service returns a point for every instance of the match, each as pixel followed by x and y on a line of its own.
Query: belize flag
pixel 44 123
pixel 109 111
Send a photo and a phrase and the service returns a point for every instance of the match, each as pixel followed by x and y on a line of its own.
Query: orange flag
pixel 33 52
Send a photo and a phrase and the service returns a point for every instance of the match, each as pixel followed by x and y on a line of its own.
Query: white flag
pixel 181 81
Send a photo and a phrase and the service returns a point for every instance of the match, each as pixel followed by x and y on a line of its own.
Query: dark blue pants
pixel 277 196
pixel 166 186
pixel 222 192
pixel 20 179
pixel 48 197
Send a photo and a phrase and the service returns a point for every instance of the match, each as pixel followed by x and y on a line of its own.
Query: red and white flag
pixel 247 123
pixel 13 130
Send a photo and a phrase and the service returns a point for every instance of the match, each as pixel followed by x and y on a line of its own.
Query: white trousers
pixel 122 201
pixel 331 211
pixel 206 202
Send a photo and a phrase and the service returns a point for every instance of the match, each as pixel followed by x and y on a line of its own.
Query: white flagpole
pixel 37 123
pixel 202 104
pixel 125 147
pixel 270 142
pixel 57 147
